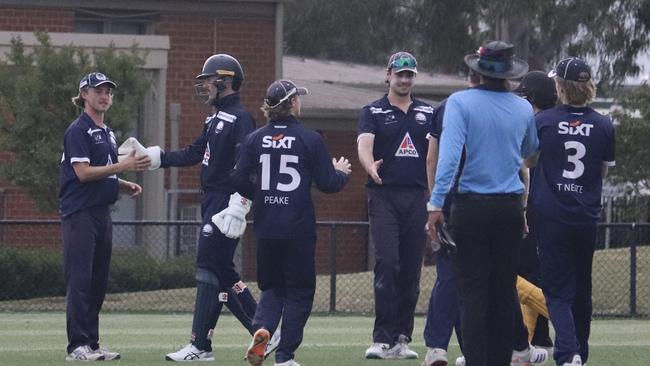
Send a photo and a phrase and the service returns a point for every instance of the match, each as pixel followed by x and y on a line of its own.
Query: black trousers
pixel 87 245
pixel 488 231
pixel 397 217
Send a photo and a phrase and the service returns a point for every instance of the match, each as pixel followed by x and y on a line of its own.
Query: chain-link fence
pixel 153 267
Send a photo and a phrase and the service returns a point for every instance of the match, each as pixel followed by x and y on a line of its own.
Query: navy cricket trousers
pixel 566 253
pixel 397 217
pixel 443 314
pixel 87 245
pixel 286 275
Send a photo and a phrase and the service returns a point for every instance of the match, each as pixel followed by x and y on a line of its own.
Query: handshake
pixel 132 144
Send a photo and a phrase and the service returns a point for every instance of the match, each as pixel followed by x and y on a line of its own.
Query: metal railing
pixel 153 267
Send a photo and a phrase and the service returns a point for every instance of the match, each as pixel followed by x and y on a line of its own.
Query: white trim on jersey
pixel 424 108
pixel 609 163
pixel 79 160
pixel 365 134
pixel 227 117
pixel 279 126
pixel 378 110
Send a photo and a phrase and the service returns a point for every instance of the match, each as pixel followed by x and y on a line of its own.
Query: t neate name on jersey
pixel 278 142
pixel 574 128
pixel 569 187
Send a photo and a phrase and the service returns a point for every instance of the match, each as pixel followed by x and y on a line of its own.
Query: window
pixel 114 22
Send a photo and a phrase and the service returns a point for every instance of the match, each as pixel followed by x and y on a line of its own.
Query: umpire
pixel 496 129
pixel 88 186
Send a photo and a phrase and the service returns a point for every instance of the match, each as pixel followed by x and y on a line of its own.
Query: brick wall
pixel 32 20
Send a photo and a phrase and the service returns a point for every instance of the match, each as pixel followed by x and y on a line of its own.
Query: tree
pixel 35 107
pixel 612 32
pixel 633 140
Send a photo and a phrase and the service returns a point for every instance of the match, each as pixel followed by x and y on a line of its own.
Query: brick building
pixel 179 36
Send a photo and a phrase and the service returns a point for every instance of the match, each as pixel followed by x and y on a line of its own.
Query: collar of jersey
pixel 227 101
pixel 284 120
pixel 90 123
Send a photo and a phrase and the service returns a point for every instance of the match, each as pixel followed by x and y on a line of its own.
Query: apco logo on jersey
pixel 278 141
pixel 406 148
pixel 574 128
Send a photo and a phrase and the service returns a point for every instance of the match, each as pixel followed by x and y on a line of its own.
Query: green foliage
pixel 35 107
pixel 441 32
pixel 633 140
pixel 32 273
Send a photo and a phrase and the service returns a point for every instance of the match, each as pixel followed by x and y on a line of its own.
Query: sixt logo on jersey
pixel 574 128
pixel 278 141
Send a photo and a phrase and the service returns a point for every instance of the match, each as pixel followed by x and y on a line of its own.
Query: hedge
pixel 32 273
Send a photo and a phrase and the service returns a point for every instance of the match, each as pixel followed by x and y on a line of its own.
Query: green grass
pixel 144 339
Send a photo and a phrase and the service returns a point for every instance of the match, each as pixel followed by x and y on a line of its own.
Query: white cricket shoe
pixel 288 363
pixel 528 357
pixel 460 361
pixel 378 351
pixel 84 353
pixel 401 350
pixel 576 361
pixel 189 353
pixel 273 344
pixel 108 355
pixel 435 357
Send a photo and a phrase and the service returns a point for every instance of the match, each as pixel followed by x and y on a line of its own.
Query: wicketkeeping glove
pixel 132 143
pixel 231 221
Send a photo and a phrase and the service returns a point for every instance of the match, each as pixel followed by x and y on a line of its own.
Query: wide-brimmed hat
pixel 496 59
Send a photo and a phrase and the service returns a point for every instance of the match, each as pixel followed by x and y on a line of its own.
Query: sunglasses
pixel 402 62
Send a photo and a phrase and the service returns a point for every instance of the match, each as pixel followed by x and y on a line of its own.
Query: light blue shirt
pixel 497 129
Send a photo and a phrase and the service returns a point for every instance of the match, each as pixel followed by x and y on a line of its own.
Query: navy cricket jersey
pixel 217 146
pixel 575 143
pixel 277 166
pixel 85 142
pixel 400 139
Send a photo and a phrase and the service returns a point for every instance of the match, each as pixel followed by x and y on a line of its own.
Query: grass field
pixel 143 339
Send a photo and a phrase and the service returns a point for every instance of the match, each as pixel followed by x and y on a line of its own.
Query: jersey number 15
pixel 285 169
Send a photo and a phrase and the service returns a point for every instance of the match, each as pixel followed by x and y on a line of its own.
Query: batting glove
pixel 132 143
pixel 231 221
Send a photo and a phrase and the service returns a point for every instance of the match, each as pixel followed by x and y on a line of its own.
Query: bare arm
pixel 531 161
pixel 604 171
pixel 365 150
pixel 432 162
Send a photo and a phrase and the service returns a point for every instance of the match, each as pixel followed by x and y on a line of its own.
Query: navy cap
pixel 281 90
pixel 402 61
pixel 95 79
pixel 573 69
pixel 538 88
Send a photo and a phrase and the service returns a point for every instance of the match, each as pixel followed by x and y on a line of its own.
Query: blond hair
pixel 279 111
pixel 575 92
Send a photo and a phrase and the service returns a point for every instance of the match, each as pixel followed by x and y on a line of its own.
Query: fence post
pixel 633 271
pixel 333 268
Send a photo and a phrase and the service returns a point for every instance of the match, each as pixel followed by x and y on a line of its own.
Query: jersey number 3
pixel 285 169
pixel 578 166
